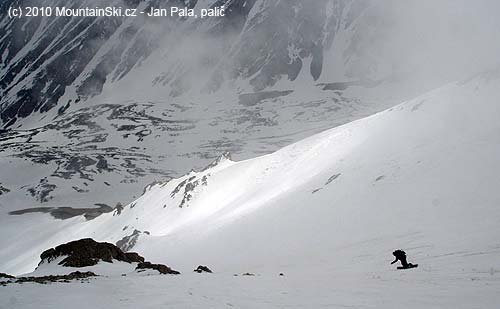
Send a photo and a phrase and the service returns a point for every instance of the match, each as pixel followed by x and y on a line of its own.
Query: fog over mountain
pixel 51 63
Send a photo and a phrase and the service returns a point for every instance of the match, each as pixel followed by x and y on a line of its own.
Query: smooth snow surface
pixel 327 212
pixel 329 289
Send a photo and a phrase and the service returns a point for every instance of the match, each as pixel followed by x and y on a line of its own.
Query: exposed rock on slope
pixel 202 269
pixel 88 252
pixel 163 269
pixel 2 275
pixel 52 278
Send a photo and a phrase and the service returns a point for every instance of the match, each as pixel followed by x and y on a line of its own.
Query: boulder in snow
pixel 88 252
pixel 162 269
pixel 202 269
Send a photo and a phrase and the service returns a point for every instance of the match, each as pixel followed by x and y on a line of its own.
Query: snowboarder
pixel 400 255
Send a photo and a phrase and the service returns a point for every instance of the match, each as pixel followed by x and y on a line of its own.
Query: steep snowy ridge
pixel 427 166
pixel 89 101
pixel 98 108
pixel 351 180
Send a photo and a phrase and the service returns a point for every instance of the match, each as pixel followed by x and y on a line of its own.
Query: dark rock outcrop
pixel 202 269
pixel 88 252
pixel 2 275
pixel 133 256
pixel 54 278
pixel 163 269
pixel 3 190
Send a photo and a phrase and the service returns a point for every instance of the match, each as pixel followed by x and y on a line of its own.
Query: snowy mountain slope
pixel 391 289
pixel 96 109
pixel 341 199
pixel 326 211
pixel 431 178
pixel 92 105
pixel 106 153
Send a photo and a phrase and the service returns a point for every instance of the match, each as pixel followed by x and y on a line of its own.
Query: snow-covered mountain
pixel 53 63
pixel 347 129
pixel 421 175
pixel 98 108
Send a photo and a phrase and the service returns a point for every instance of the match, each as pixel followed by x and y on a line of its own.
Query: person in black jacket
pixel 400 255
